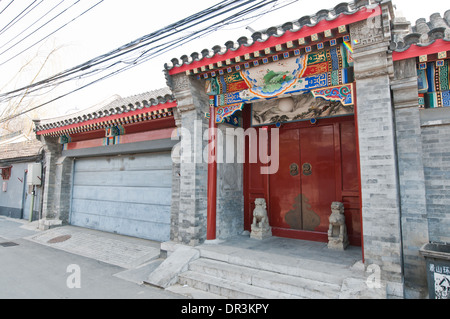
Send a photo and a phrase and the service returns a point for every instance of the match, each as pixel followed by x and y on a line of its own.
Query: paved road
pixel 34 271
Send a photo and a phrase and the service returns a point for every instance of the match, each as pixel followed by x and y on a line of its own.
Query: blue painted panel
pixel 128 195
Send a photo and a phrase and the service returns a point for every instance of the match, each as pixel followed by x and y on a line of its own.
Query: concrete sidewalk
pixel 138 257
pixel 122 251
pixel 12 229
pixel 35 263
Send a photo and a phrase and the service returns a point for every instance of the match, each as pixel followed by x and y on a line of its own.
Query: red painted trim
pixel 98 142
pixel 110 118
pixel 337 160
pixel 414 51
pixel 124 139
pixel 156 124
pixel 212 177
pixel 84 136
pixel 147 136
pixel 306 31
pixel 246 169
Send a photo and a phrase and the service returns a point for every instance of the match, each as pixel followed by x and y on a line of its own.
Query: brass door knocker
pixel 293 169
pixel 307 169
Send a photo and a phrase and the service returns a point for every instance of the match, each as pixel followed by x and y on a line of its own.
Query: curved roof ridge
pixel 423 33
pixel 346 8
pixel 117 106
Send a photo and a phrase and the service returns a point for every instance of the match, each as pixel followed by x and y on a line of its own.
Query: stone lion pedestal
pixel 260 225
pixel 337 231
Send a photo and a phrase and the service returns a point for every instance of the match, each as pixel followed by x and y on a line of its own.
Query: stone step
pixel 229 289
pixel 321 271
pixel 292 285
pixel 193 293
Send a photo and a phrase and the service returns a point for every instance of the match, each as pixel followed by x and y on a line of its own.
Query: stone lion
pixel 260 225
pixel 260 213
pixel 337 231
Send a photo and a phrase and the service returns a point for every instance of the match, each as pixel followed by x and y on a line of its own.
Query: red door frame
pixel 305 125
pixel 264 189
pixel 212 177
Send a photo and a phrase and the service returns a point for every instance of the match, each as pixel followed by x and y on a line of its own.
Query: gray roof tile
pixel 117 106
pixel 422 34
pixel 274 31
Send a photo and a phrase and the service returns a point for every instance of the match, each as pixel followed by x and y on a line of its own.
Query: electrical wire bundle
pixel 125 57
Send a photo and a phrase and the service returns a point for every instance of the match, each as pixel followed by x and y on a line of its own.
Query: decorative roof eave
pixel 343 19
pixel 416 50
pixel 94 123
pixel 147 102
pixel 422 39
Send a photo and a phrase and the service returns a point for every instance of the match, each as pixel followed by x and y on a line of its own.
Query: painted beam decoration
pixel 433 80
pixel 341 93
pixel 225 114
pixel 112 135
pixel 301 73
pixel 325 74
pixel 303 107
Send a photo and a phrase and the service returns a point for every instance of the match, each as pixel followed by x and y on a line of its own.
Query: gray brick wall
pixel 52 151
pixel 189 206
pixel 189 212
pixel 436 158
pixel 379 185
pixel 230 196
pixel 377 148
pixel 423 144
pixel 411 177
pixel 57 182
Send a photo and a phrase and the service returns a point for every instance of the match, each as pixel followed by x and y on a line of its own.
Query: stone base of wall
pixel 45 224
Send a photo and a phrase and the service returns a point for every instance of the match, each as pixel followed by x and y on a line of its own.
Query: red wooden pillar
pixel 212 176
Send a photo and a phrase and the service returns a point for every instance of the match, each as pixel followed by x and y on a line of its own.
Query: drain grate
pixel 8 244
pixel 59 239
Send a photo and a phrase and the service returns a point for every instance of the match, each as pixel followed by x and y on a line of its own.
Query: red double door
pixel 317 166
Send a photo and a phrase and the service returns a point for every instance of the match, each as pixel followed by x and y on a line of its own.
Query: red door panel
pixel 318 177
pixel 298 202
pixel 284 186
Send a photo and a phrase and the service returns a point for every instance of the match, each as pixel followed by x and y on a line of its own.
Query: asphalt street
pixel 29 270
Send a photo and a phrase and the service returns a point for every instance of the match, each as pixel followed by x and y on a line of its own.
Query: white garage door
pixel 128 195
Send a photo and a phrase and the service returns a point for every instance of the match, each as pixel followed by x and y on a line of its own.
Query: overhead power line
pixel 149 46
pixel 31 25
pixel 123 49
pixel 19 16
pixel 50 34
pixel 6 6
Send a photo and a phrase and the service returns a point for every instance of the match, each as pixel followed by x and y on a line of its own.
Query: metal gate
pixel 128 195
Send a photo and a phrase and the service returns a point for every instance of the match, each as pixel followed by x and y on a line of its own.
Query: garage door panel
pixel 134 211
pixel 129 194
pixel 86 220
pixel 157 178
pixel 126 162
pixel 152 231
pixel 141 195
